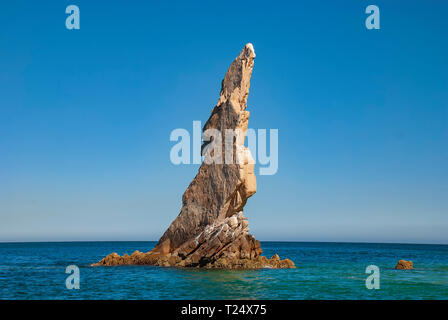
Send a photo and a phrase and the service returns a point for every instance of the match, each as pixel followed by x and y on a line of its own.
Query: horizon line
pixel 288 241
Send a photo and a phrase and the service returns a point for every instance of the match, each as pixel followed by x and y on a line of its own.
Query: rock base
pixel 168 260
pixel 224 244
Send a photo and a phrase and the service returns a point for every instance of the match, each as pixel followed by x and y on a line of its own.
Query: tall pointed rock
pixel 210 230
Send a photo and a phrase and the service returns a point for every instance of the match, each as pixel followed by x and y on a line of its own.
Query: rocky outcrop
pixel 210 230
pixel 404 265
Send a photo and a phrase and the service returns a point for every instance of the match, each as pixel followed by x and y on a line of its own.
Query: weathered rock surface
pixel 404 265
pixel 210 230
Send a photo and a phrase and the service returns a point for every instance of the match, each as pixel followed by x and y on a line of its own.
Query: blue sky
pixel 86 115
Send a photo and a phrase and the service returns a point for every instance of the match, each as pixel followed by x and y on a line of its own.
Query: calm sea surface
pixel 324 271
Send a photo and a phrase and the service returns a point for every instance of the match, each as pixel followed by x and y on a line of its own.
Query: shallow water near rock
pixel 324 271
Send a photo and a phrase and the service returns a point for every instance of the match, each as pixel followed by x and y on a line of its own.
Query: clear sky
pixel 86 115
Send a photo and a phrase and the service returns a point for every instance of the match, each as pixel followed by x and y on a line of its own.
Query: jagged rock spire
pixel 210 230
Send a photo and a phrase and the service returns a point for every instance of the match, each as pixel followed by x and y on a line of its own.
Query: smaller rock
pixel 404 265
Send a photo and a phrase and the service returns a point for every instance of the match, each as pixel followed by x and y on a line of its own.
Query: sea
pixel 329 271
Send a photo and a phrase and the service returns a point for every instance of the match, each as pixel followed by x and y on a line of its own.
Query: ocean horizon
pixel 263 241
pixel 324 270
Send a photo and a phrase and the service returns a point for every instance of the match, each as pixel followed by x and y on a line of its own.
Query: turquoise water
pixel 324 271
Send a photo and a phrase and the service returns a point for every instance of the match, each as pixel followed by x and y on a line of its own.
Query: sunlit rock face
pixel 210 230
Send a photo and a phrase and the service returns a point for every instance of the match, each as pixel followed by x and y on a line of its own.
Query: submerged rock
pixel 210 230
pixel 404 265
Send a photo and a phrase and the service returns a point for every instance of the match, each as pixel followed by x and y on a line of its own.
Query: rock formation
pixel 210 230
pixel 404 265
